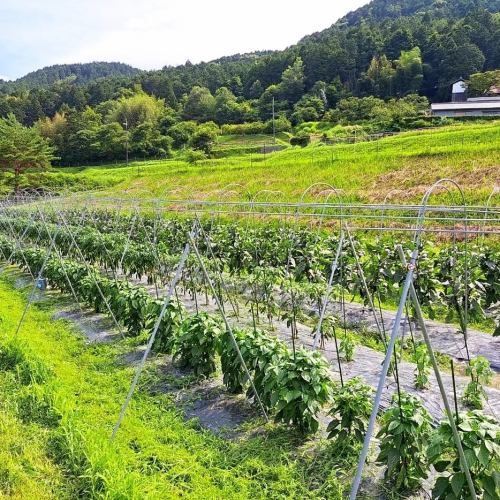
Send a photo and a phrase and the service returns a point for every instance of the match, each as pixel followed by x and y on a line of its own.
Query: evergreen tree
pixel 22 148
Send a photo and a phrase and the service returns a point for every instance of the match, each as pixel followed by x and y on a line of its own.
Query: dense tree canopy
pixel 387 49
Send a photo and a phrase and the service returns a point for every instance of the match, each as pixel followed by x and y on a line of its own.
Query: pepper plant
pixel 480 438
pixel 350 411
pixel 404 435
pixel 480 373
pixel 196 344
pixel 347 346
pixel 169 325
pixel 302 387
pixel 234 376
pixel 423 366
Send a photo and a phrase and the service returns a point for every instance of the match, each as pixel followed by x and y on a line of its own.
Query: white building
pixel 461 105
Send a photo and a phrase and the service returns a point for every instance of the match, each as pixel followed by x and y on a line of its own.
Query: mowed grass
pixel 60 397
pixel 402 167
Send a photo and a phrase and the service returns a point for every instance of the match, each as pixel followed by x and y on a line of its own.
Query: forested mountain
pixel 78 73
pixel 380 10
pixel 378 65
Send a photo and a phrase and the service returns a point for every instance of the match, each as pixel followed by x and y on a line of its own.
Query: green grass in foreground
pixel 59 398
pixel 366 171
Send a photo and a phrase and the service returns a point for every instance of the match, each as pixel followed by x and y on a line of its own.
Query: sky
pixel 150 34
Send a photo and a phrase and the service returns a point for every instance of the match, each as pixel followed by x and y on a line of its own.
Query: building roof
pixel 484 99
pixel 466 105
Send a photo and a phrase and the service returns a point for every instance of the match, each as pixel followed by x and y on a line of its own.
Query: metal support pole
pixel 383 376
pixel 149 346
pixel 421 322
pixel 328 290
pixel 228 327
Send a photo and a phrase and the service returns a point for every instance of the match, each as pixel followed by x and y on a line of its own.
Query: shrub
pixel 251 128
pixel 480 438
pixel 193 156
pixel 350 411
pixel 300 140
pixel 302 387
pixel 171 321
pixel 281 124
pixel 404 437
pixel 480 372
pixel 196 344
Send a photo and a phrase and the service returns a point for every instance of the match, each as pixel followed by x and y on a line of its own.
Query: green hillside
pixel 367 171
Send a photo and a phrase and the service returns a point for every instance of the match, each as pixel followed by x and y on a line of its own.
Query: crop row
pixel 293 386
pixel 272 256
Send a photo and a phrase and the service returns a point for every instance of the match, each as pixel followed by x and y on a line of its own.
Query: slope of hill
pixel 80 73
pixel 379 10
pixel 402 166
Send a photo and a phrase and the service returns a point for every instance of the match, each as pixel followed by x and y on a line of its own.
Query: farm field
pixel 235 267
pixel 116 268
pixel 400 167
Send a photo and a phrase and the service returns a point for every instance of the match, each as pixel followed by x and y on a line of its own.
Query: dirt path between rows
pixel 445 338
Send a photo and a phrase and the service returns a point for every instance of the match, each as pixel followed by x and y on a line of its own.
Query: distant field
pixel 402 166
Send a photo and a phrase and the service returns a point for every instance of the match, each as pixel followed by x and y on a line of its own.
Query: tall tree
pixel 293 82
pixel 379 76
pixel 409 72
pixel 22 148
pixel 200 105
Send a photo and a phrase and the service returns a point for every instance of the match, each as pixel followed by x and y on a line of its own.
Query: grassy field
pixel 402 166
pixel 59 399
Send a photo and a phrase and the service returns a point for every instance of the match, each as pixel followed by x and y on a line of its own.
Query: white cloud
pixel 152 33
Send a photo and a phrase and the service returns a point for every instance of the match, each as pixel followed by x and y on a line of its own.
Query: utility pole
pixel 274 126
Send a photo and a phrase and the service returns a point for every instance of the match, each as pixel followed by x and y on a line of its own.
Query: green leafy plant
pixel 494 312
pixel 196 344
pixel 328 326
pixel 347 346
pixel 480 372
pixel 404 434
pixel 423 368
pixel 234 376
pixel 262 352
pixel 302 387
pixel 169 325
pixel 350 411
pixel 480 438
